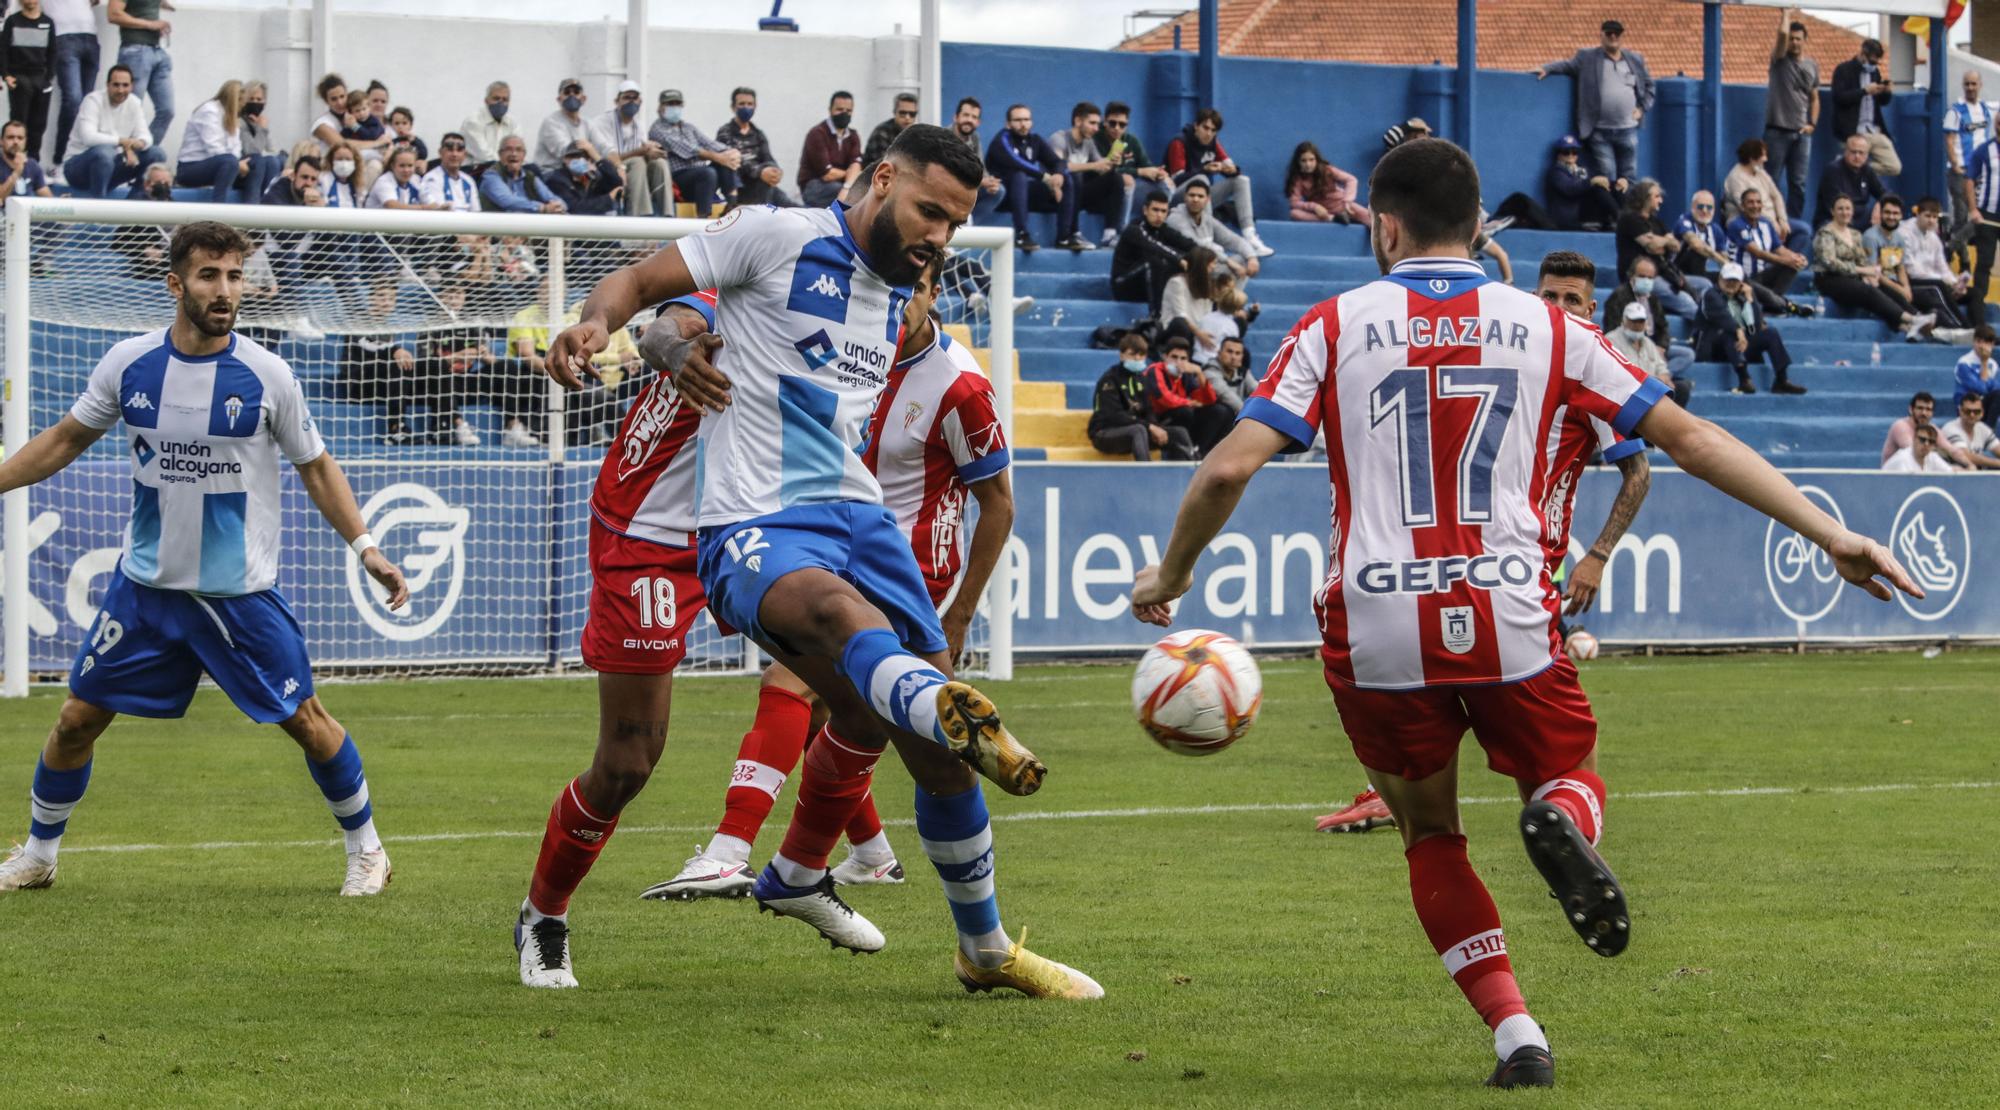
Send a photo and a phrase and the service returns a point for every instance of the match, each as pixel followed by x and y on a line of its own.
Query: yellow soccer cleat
pixel 978 737
pixel 1032 975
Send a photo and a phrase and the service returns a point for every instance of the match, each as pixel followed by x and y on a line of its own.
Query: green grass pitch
pixel 1807 843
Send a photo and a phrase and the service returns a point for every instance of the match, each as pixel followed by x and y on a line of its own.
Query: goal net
pixel 416 336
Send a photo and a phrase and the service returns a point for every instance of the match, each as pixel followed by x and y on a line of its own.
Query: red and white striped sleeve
pixel 1288 399
pixel 1598 381
pixel 971 431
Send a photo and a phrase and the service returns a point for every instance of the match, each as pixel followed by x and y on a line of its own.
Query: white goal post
pixel 494 495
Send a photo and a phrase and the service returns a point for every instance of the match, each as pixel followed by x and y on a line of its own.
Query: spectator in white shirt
pixel 398 188
pixel 1936 288
pixel 332 90
pixel 1921 457
pixel 341 182
pixel 1193 218
pixel 77 57
pixel 1969 441
pixel 483 130
pixel 212 149
pixel 447 184
pixel 1903 432
pixel 621 137
pixel 563 127
pixel 110 144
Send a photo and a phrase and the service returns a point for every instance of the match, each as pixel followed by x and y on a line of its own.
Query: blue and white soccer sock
pixel 346 790
pixel 958 838
pixel 901 687
pixel 55 794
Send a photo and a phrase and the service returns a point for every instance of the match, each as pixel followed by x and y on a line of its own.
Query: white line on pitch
pixel 1073 815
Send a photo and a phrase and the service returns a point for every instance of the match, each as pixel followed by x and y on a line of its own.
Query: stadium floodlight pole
pixel 13 435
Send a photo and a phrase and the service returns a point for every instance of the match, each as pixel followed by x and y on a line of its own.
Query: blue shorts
pixel 739 563
pixel 148 648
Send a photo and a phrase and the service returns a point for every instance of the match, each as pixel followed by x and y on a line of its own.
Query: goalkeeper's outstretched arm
pixel 47 453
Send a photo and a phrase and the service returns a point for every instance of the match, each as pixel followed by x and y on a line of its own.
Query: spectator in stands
pixel 447 182
pixel 1641 233
pixel 255 134
pixel 342 180
pixel 1861 96
pixel 1196 154
pixel 1631 339
pixel 1099 188
pixel 1196 220
pixel 449 361
pixel 327 127
pixel 1967 123
pixel 965 121
pixel 1613 94
pixel 621 136
pixel 1936 288
pixel 368 135
pixel 1181 397
pixel 1400 133
pixel 1921 457
pixel 28 64
pixel 1902 432
pixel 1188 298
pixel 1756 247
pixel 512 185
pixel 1749 173
pixel 1642 287
pixel 20 175
pixel 1229 375
pixel 563 127
pixel 903 114
pixel 140 30
pixel 1852 177
pixel 397 187
pixel 1128 155
pixel 1732 329
pixel 831 158
pixel 1969 440
pixel 1036 178
pixel 376 368
pixel 212 155
pixel 1791 108
pixel 586 188
pixel 757 175
pixel 1321 192
pixel 1149 252
pixel 1230 317
pixel 145 246
pixel 1703 245
pixel 1985 189
pixel 110 144
pixel 1121 412
pixel 403 136
pixel 1578 199
pixel 483 130
pixel 1977 374
pixel 289 188
pixel 77 58
pixel 702 166
pixel 1845 273
pixel 1884 244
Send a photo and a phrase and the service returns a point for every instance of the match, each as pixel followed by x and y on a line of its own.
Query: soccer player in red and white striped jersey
pixel 1442 396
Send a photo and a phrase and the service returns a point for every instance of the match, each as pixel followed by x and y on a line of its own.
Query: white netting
pixel 418 353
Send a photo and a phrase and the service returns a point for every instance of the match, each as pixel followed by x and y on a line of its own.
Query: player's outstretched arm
pixel 1588 573
pixel 327 485
pixel 616 299
pixel 989 538
pixel 1721 460
pixel 56 447
pixel 1211 496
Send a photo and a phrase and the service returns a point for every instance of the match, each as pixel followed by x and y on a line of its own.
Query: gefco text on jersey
pixel 1445 331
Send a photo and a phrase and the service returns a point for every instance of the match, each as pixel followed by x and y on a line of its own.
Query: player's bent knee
pixel 79 724
pixel 314 728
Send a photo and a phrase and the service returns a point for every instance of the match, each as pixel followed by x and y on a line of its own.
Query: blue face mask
pixel 572 103
pixel 578 166
pixel 1135 365
pixel 671 113
pixel 497 111
pixel 1642 286
pixel 744 114
pixel 628 110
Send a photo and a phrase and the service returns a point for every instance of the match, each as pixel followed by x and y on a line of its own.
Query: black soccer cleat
pixel 1530 1066
pixel 1577 876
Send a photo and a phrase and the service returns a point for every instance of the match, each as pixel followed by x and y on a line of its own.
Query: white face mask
pixel 343 168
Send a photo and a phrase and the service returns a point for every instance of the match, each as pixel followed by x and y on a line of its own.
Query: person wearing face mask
pixel 585 187
pixel 758 177
pixel 563 127
pixel 1121 410
pixel 701 166
pixel 831 159
pixel 621 136
pixel 1642 288
pixel 484 129
pixel 342 180
pixel 1632 340
pixel 258 146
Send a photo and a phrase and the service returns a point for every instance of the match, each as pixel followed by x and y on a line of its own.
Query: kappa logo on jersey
pixel 139 401
pixel 232 407
pixel 291 687
pixel 1457 632
pixel 825 286
pixel 427 535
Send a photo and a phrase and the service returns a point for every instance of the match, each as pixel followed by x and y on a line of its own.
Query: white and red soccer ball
pixel 1197 692
pixel 1581 645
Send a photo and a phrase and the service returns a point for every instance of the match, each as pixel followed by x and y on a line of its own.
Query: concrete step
pixel 1051 427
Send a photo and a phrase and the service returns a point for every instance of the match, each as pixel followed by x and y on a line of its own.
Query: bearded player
pixel 934 443
pixel 1438 391
pixel 1568 281
pixel 795 547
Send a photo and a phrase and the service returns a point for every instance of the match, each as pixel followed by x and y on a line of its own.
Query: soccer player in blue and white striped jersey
pixel 208 413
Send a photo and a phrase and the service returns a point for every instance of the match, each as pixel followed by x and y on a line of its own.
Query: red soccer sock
pixel 866 824
pixel 1464 927
pixel 769 752
pixel 1580 794
pixel 569 846
pixel 832 785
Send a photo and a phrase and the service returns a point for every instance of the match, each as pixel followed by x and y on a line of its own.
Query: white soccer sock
pixel 362 839
pixel 796 874
pixel 41 851
pixel 1516 1032
pixel 728 849
pixel 874 851
pixel 530 915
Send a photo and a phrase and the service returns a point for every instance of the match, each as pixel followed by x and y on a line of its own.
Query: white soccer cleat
pixel 367 873
pixel 704 876
pixel 819 907
pixel 20 871
pixel 853 872
pixel 544 951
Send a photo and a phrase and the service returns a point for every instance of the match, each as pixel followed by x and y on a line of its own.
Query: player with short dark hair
pixel 209 412
pixel 1436 389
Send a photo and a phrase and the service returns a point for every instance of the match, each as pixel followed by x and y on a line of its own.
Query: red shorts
pixel 1533 730
pixel 644 597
